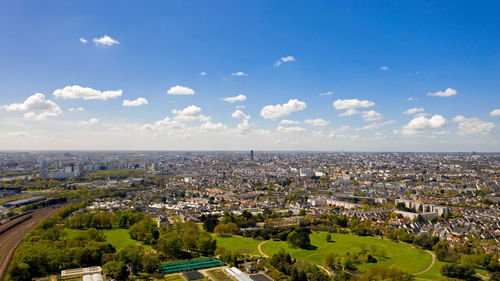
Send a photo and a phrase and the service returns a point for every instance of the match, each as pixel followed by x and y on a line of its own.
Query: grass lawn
pixel 119 238
pixel 435 272
pixel 174 277
pixel 238 243
pixel 400 254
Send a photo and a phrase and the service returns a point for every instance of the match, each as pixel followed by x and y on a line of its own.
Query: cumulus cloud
pixel 203 73
pixel 136 102
pixel 495 112
pixel 284 59
pixel 83 40
pixel 78 109
pixel 105 41
pixel 281 110
pixel 92 121
pixel 209 126
pixel 349 112
pixel 326 93
pixel 447 93
pixel 239 74
pixel 318 122
pixel 413 110
pixel 412 99
pixel 375 125
pixel 422 124
pixel 289 122
pixel 238 114
pixel 166 123
pixel 180 90
pixel 384 68
pixel 473 126
pixel 78 92
pixel 239 97
pixel 18 134
pixel 371 115
pixel 40 108
pixel 290 130
pixel 240 106
pixel 352 104
pixel 190 114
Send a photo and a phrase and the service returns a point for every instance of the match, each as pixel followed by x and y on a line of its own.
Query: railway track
pixel 14 233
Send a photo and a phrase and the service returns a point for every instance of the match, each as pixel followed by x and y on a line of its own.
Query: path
pixel 325 269
pixel 430 266
pixel 260 250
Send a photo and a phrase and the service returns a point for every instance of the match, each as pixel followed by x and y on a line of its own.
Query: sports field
pixel 400 254
pixel 119 238
pixel 238 243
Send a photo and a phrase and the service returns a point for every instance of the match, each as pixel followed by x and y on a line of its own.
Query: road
pixel 431 265
pixel 11 239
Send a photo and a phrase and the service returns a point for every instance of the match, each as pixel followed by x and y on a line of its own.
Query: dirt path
pixel 325 269
pixel 260 250
pixel 430 266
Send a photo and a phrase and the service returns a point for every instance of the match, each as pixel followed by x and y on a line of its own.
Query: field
pixel 219 275
pixel 119 238
pixel 400 254
pixel 238 243
pixel 174 277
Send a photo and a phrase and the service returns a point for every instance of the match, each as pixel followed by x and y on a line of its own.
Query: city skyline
pixel 250 76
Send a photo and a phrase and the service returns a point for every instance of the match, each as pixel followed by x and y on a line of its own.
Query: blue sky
pixel 377 58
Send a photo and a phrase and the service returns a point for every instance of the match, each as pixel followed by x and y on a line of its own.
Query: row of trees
pixel 104 220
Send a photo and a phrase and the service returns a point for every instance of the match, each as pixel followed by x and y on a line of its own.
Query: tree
pixel 150 263
pixel 116 269
pixel 170 244
pixel 209 222
pixel 207 246
pixel 132 255
pixel 281 261
pixel 299 238
pixel 465 272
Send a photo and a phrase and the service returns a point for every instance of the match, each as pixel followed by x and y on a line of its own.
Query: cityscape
pixel 249 140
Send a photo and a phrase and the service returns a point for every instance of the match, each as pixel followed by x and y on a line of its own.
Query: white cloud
pixel 83 40
pixel 318 122
pixel 136 102
pixel 209 126
pixel 203 73
pixel 239 97
pixel 326 93
pixel 317 133
pixel 239 74
pixel 284 59
pixel 78 109
pixel 495 112
pixel 473 126
pixel 289 122
pixel 166 123
pixel 375 125
pixel 92 121
pixel 180 90
pixel 349 112
pixel 447 93
pixel 412 99
pixel 18 134
pixel 78 92
pixel 105 41
pixel 290 130
pixel 36 103
pixel 384 68
pixel 413 110
pixel 240 106
pixel 281 110
pixel 238 114
pixel 352 104
pixel 190 114
pixel 371 115
pixel 421 125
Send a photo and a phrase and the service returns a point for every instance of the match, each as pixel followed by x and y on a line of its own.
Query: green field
pixel 400 254
pixel 238 243
pixel 119 238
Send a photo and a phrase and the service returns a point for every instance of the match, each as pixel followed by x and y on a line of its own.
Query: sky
pixel 241 75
